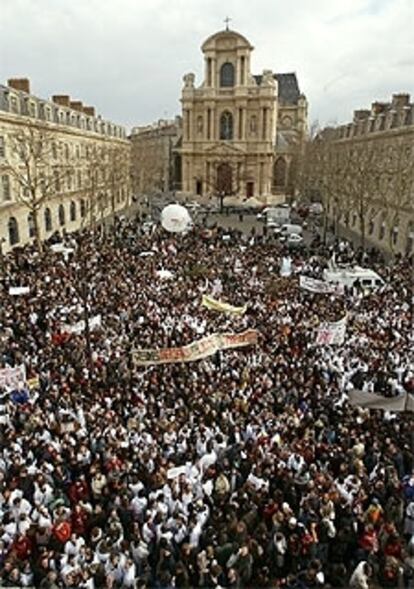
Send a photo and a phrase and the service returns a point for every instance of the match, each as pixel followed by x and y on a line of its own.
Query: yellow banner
pixel 197 350
pixel 216 305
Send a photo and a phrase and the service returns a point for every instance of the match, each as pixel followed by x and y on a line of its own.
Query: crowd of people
pixel 248 468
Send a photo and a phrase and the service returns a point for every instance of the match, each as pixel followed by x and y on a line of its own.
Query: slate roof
pixel 288 87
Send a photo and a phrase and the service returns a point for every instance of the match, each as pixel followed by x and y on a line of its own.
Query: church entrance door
pixel 224 179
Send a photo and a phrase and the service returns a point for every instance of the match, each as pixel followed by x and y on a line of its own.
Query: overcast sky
pixel 127 57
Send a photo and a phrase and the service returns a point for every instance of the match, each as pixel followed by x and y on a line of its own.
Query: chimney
pixel 378 107
pixel 400 100
pixel 61 99
pixel 360 115
pixel 76 105
pixel 22 84
pixel 89 110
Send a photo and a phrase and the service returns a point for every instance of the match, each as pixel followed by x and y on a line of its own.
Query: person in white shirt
pixel 74 545
pixel 19 506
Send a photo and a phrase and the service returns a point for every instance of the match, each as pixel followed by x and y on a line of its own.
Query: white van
pixel 288 229
pixel 275 216
pixel 349 276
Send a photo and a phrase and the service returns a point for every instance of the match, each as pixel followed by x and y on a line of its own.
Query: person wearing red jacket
pixel 369 540
pixel 79 490
pixel 22 547
pixel 393 547
pixel 79 520
pixel 61 531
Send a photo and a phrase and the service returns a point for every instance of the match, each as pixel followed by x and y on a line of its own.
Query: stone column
pixel 205 130
pixel 189 175
pixel 191 124
pixel 213 72
pixel 213 124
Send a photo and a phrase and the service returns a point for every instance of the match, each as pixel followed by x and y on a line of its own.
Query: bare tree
pixel 117 175
pixel 38 170
pixel 147 164
pixel 361 182
pixel 396 186
pixel 95 184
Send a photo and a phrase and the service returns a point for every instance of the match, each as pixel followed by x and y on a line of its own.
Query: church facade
pixel 242 133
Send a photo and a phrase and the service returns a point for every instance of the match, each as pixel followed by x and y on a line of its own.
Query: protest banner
pixel 319 286
pixel 19 290
pixel 331 333
pixel 403 402
pixel 176 471
pixel 197 350
pixel 33 383
pixel 79 327
pixel 216 305
pixel 12 378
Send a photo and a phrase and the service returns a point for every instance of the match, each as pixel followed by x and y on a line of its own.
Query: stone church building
pixel 242 133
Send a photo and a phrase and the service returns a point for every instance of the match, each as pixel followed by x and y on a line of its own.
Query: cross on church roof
pixel 227 20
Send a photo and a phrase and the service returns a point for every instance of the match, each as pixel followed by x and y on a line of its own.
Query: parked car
pixel 294 239
pixel 289 228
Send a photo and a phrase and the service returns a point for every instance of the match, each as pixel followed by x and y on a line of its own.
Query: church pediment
pixel 222 148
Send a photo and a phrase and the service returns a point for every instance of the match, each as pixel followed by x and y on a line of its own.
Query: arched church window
pixel 280 172
pixel 48 220
pixel 61 215
pixel 13 231
pixel 227 75
pixel 226 126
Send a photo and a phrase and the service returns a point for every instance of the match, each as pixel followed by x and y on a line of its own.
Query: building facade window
pixel 227 75
pixel 382 230
pixel 2 147
pixel 13 231
pixel 69 180
pixel 72 211
pixel 31 225
pixel 5 187
pixel 61 215
pixel 82 208
pixel 410 238
pixel 57 180
pixel 226 126
pixel 14 104
pixel 371 227
pixel 394 233
pixel 48 220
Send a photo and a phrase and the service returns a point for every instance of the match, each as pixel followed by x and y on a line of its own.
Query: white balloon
pixel 175 218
